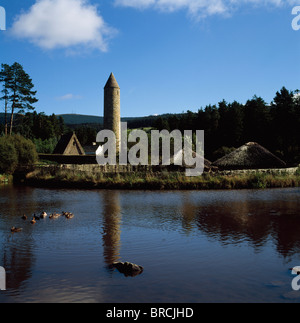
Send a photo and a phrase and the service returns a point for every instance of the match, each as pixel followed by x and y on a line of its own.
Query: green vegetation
pixel 74 120
pixel 86 135
pixel 8 156
pixel 16 151
pixel 18 97
pixel 77 119
pixel 226 125
pixel 46 146
pixel 43 130
pixel 17 92
pixel 6 179
pixel 275 126
pixel 52 177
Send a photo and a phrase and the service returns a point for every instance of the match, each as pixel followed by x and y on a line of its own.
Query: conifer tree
pixel 17 90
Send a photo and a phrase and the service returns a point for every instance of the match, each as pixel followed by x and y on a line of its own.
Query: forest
pixel 230 125
pixel 227 125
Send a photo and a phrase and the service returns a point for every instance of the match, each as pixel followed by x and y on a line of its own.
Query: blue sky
pixel 168 56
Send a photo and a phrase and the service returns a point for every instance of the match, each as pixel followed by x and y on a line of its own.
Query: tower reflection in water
pixel 112 220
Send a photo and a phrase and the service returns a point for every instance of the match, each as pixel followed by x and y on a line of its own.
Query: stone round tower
pixel 112 118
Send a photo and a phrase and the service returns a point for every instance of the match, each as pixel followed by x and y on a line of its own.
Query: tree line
pixel 226 125
pixel 18 99
pixel 230 125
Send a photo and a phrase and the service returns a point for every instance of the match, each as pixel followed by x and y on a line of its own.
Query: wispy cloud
pixel 70 24
pixel 69 96
pixel 200 8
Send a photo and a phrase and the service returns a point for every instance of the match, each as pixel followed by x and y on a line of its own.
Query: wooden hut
pixel 69 145
pixel 249 156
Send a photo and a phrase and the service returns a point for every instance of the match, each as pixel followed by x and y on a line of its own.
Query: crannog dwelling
pixel 249 156
pixel 69 145
pixel 178 156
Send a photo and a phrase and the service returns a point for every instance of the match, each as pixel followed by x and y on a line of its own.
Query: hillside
pixel 79 119
pixel 75 119
pixel 133 122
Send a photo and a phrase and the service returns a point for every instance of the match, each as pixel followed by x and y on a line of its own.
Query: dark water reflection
pixel 256 221
pixel 195 246
pixel 111 226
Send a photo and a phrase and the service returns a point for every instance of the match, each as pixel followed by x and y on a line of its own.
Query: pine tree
pixel 5 78
pixel 17 89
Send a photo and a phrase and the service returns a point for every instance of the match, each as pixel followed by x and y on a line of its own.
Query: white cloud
pixel 140 4
pixel 54 24
pixel 68 96
pixel 199 8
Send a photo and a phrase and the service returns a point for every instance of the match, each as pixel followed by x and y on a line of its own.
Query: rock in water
pixel 128 268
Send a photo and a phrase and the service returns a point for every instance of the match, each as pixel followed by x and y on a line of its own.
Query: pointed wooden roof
pixel 69 145
pixel 112 82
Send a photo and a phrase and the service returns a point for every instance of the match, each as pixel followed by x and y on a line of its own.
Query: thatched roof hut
pixel 176 157
pixel 249 156
pixel 69 145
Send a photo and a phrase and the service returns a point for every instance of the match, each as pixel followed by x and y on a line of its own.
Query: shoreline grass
pixel 5 179
pixel 160 181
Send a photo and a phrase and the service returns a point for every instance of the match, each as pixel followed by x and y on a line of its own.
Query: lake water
pixel 195 246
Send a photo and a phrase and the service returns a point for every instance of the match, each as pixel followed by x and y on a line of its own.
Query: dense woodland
pixel 230 125
pixel 227 125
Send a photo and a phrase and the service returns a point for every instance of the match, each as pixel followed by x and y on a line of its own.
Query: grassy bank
pixel 5 179
pixel 160 181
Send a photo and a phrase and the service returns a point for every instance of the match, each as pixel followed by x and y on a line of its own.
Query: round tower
pixel 112 118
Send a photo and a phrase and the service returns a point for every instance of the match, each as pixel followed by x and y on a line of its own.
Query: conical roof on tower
pixel 112 82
